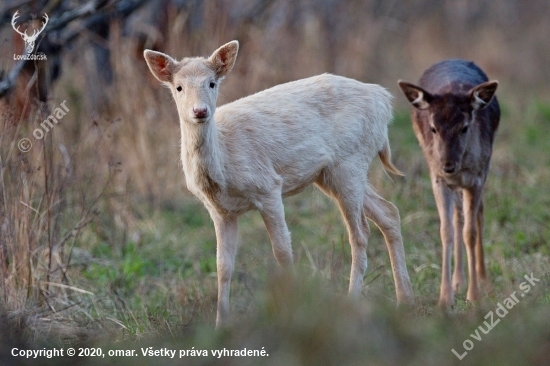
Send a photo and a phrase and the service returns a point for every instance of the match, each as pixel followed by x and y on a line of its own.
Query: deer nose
pixel 449 167
pixel 200 112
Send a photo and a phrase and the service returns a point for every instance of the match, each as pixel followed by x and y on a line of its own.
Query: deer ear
pixel 482 94
pixel 162 66
pixel 224 58
pixel 417 96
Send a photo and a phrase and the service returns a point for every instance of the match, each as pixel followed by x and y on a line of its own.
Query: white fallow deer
pixel 251 153
pixel 455 117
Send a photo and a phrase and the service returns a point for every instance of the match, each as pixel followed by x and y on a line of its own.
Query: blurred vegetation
pixel 101 245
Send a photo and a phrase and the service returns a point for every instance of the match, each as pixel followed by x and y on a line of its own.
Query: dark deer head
pixel 450 117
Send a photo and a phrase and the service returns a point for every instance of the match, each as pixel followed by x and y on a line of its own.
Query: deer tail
pixel 385 158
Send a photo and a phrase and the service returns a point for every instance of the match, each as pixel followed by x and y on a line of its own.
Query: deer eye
pixel 212 84
pixel 179 88
pixel 433 129
pixel 464 129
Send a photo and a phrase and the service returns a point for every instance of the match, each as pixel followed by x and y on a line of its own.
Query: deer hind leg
pixel 273 214
pixel 386 216
pixel 358 232
pixel 345 185
pixel 480 259
pixel 458 223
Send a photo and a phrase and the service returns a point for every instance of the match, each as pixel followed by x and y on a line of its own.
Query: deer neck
pixel 202 156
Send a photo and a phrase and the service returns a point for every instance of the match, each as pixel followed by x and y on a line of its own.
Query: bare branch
pixel 9 81
pixel 87 9
pixel 9 9
pixel 91 17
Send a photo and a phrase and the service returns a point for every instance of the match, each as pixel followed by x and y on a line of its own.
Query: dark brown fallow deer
pixel 455 116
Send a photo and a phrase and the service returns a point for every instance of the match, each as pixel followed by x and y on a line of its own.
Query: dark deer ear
pixel 162 66
pixel 417 96
pixel 482 94
pixel 224 58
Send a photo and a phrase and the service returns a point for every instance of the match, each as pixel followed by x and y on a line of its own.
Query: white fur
pixel 251 153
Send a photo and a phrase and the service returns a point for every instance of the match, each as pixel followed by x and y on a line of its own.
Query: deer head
pixel 194 81
pixel 29 40
pixel 449 118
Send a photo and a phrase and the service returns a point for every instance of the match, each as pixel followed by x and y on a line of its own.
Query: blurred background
pixel 99 236
pixel 374 41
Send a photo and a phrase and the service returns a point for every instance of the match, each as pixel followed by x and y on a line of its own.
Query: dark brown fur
pixel 455 118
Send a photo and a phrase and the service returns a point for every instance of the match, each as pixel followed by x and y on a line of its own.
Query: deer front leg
pixel 444 201
pixel 226 237
pixel 472 203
